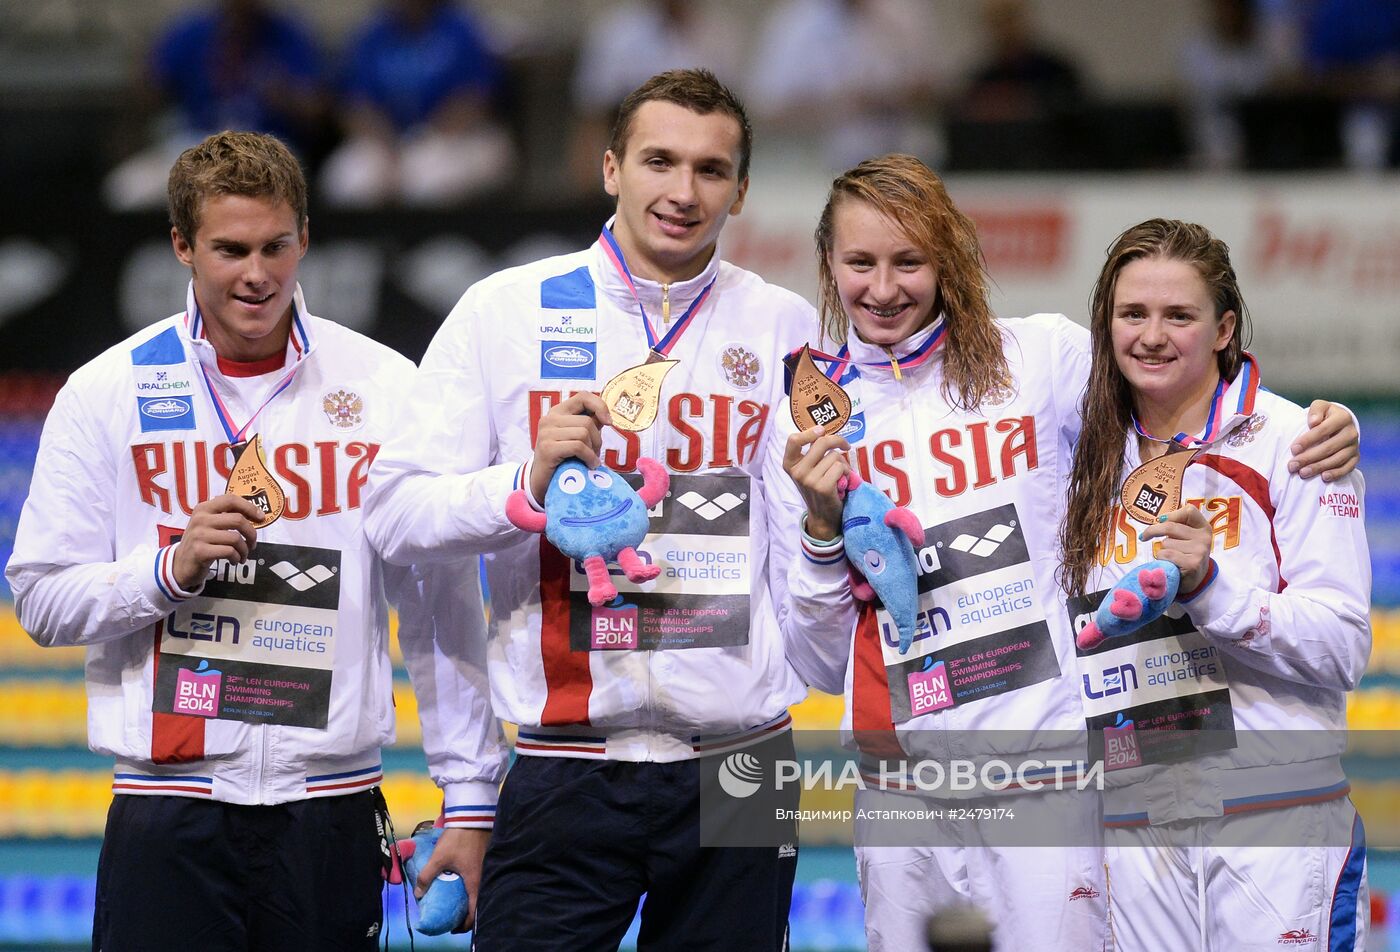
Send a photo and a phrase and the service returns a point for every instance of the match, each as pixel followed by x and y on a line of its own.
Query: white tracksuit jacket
pixel 300 679
pixel 1261 659
pixel 993 661
pixel 701 666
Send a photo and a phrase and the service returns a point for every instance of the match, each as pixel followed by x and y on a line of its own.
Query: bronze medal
pixel 633 396
pixel 1154 488
pixel 814 400
pixel 252 480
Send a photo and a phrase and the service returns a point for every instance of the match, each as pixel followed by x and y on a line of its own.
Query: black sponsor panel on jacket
pixel 233 690
pixel 1160 732
pixel 971 545
pixel 972 670
pixel 702 505
pixel 648 622
pixel 277 574
pixel 1156 695
pixel 698 537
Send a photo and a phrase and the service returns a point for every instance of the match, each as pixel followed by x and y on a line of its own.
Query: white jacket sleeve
pixel 1072 361
pixel 816 611
pixel 70 585
pixel 442 632
pixel 1317 630
pixel 437 491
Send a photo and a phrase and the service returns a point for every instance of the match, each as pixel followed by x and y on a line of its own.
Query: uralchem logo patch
pixel 299 580
pixel 984 546
pixel 568 360
pixel 740 775
pixel 710 509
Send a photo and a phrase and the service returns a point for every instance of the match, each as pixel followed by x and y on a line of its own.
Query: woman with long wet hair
pixel 968 421
pixel 1226 807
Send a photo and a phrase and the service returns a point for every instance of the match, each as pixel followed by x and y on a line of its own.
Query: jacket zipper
pixel 666 305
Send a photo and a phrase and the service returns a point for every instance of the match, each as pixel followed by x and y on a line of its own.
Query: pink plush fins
pixel 860 588
pixel 521 514
pixel 635 569
pixel 655 482
pixel 905 521
pixel 1126 605
pixel 1091 637
pixel 600 587
pixel 1153 582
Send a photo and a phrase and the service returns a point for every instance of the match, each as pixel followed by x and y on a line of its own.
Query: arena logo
pixel 299 580
pixel 982 547
pixel 240 573
pixel 710 509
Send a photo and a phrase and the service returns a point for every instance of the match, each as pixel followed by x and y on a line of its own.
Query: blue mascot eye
pixel 572 482
pixel 600 479
pixel 874 563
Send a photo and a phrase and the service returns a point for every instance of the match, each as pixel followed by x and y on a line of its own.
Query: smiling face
pixel 1166 335
pixel 676 184
pixel 590 496
pixel 887 285
pixel 592 512
pixel 244 263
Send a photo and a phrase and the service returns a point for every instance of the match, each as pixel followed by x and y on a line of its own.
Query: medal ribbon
pixel 237 435
pixel 1248 381
pixel 838 362
pixel 661 346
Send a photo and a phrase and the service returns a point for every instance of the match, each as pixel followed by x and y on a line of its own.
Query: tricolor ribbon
pixel 1246 383
pixel 841 367
pixel 237 434
pixel 659 345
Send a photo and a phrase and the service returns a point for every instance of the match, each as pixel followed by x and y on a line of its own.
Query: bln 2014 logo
pixel 197 691
pixel 1120 745
pixel 614 626
pixel 928 688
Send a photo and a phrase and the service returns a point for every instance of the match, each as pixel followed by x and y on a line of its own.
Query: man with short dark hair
pixel 618 704
pixel 237 662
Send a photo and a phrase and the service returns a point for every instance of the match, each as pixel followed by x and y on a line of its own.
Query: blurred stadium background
pixel 1301 190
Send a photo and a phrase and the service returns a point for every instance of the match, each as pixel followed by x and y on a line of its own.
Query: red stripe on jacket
pixel 1256 486
pixel 175 738
pixel 567 677
pixel 870 692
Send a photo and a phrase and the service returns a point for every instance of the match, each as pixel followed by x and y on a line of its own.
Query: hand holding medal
pixel 880 537
pixel 251 480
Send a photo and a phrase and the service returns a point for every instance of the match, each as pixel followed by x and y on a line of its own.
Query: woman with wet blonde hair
pixel 1232 747
pixel 969 421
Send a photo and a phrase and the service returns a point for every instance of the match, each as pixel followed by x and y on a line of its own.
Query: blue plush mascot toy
pixel 445 904
pixel 593 516
pixel 1140 597
pixel 880 539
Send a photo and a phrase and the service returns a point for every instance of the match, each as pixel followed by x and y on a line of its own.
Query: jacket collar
pixel 914 351
pixel 300 342
pixel 614 284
